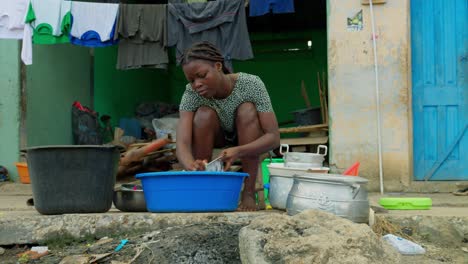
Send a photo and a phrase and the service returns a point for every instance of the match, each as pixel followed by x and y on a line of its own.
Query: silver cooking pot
pixel 130 199
pixel 302 159
pixel 281 181
pixel 344 196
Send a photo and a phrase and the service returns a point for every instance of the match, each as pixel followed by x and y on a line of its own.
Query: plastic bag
pixel 164 126
pixel 404 246
pixel 3 174
pixel 85 125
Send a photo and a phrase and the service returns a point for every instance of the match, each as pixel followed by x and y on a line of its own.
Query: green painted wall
pixel 59 75
pixel 280 70
pixel 9 105
pixel 117 93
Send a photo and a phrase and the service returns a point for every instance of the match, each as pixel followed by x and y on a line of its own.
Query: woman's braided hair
pixel 204 51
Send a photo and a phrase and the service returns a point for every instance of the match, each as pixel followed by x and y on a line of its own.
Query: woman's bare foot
pixel 248 203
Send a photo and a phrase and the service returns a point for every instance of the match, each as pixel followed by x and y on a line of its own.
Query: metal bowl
pixel 130 200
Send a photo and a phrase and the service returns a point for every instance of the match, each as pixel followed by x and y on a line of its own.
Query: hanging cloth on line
pixel 142 33
pixel 50 21
pixel 47 22
pixel 186 1
pixel 93 24
pixel 12 18
pixel 262 7
pixel 221 22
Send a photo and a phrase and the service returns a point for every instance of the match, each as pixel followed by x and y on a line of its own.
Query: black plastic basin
pixel 72 179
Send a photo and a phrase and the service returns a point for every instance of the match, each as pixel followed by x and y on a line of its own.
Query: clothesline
pixel 143 32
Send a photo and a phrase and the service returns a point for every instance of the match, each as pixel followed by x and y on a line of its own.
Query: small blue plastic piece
pixel 121 245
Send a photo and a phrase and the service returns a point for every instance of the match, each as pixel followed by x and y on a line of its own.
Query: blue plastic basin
pixel 191 191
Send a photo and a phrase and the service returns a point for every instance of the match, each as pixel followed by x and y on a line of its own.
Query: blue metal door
pixel 439 43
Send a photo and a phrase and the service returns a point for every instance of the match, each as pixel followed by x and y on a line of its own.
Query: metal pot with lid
pixel 344 196
pixel 302 159
pixel 281 181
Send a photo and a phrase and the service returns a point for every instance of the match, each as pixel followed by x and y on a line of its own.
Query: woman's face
pixel 204 77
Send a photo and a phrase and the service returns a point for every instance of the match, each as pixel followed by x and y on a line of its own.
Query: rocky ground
pixel 219 243
pixel 201 243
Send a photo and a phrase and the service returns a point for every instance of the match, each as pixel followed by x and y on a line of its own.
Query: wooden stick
pixel 140 153
pixel 325 96
pixel 322 110
pixel 300 129
pixel 304 94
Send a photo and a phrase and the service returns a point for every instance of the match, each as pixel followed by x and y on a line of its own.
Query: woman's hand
pixel 229 156
pixel 197 165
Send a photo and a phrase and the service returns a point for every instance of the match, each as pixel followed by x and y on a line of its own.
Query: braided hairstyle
pixel 204 51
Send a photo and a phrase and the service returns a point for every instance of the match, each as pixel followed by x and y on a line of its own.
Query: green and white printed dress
pixel 248 88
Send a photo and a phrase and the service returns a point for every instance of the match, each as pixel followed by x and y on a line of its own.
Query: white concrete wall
pixel 352 103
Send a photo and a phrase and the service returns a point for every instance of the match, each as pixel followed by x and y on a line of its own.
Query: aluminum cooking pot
pixel 341 195
pixel 302 159
pixel 130 199
pixel 281 181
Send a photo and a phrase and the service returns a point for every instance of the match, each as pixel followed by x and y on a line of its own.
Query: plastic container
pixel 23 172
pixel 191 191
pixel 73 179
pixel 404 246
pixel 266 175
pixel 406 203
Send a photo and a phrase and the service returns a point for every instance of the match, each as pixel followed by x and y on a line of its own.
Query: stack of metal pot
pixel 295 163
pixel 302 183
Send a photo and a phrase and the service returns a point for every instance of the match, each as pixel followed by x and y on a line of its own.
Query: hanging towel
pixel 12 18
pixel 221 22
pixel 26 48
pixel 93 24
pixel 262 7
pixel 50 20
pixel 142 33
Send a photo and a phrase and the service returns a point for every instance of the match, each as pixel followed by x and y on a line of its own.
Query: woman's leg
pixel 248 130
pixel 206 133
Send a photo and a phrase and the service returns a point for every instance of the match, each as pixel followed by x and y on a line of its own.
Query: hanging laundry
pixel 47 22
pixel 12 18
pixel 26 49
pixel 93 24
pixel 221 22
pixel 186 1
pixel 142 33
pixel 50 21
pixel 262 7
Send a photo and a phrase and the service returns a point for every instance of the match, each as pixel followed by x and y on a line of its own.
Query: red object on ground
pixel 353 170
pixel 83 108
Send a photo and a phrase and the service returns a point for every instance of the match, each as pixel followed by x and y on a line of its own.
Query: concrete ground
pixel 13 197
pixel 445 225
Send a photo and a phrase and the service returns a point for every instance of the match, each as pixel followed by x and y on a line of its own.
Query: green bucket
pixel 266 174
